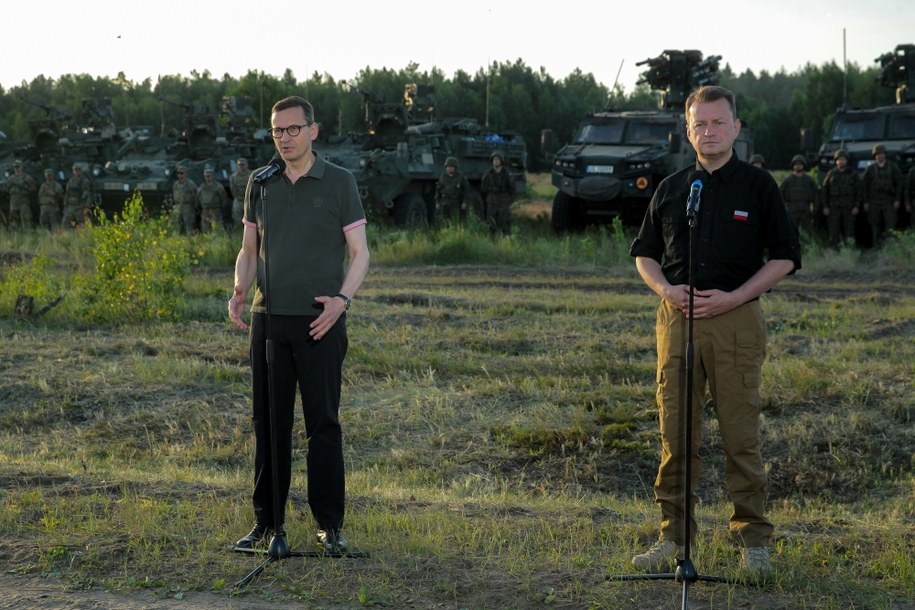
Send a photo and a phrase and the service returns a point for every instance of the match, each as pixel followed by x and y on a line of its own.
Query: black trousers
pixel 315 367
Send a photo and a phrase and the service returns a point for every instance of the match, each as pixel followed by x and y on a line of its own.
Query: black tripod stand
pixel 686 572
pixel 279 547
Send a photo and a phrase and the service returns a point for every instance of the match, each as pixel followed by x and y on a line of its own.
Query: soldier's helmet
pixel 208 172
pixel 17 163
pixel 48 172
pixel 877 149
pixel 497 153
pixel 451 161
pixel 758 158
pixel 181 169
pixel 840 153
pixel 241 161
pixel 799 159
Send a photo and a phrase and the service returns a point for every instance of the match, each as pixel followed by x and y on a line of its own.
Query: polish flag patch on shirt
pixel 741 215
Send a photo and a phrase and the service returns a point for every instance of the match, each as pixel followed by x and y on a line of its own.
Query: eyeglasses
pixel 292 130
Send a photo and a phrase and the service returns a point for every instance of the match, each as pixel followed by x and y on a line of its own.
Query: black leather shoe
pixel 332 541
pixel 257 535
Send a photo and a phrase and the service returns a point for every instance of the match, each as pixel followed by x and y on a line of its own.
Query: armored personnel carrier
pixel 142 163
pixel 58 140
pixel 402 155
pixel 147 163
pixel 616 159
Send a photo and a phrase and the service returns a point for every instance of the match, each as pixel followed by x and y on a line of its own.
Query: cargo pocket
pixel 749 356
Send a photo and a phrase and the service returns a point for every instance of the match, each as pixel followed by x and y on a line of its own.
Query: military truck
pixel 857 130
pixel 401 156
pixel 616 159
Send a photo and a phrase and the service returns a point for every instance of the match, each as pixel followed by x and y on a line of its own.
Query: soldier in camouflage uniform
pixel 20 187
pixel 801 194
pixel 238 183
pixel 184 193
pixel 212 198
pixel 882 193
pixel 498 189
pixel 77 198
pixel 841 196
pixel 451 193
pixel 50 198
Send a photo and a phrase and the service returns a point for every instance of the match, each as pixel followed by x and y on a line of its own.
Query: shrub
pixel 141 266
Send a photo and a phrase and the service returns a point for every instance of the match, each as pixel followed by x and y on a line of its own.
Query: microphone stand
pixel 279 547
pixel 686 572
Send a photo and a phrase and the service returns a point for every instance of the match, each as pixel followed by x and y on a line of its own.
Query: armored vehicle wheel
pixel 410 211
pixel 567 213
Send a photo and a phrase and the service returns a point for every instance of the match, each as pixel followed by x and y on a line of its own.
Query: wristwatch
pixel 345 300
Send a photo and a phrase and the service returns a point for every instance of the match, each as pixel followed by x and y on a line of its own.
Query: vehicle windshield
pixel 600 133
pixel 857 127
pixel 655 133
pixel 629 131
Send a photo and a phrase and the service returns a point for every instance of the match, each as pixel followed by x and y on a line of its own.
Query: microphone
pixel 276 166
pixel 695 189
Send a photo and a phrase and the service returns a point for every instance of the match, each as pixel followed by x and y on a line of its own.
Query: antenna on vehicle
pixel 617 80
pixel 844 73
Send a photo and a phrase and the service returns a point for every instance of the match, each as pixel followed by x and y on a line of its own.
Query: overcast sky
pixel 168 37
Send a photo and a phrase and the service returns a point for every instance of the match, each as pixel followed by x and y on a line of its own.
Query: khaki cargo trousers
pixel 728 354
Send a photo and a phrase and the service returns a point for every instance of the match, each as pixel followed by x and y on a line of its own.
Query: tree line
pixel 506 95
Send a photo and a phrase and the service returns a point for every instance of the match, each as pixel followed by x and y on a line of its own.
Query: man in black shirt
pixel 741 216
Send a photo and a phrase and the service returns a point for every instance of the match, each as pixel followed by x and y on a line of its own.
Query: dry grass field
pixel 501 439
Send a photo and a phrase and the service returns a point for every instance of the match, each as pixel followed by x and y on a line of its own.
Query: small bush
pixel 141 266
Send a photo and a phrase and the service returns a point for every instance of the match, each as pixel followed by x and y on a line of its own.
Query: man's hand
pixel 333 309
pixel 711 303
pixel 237 308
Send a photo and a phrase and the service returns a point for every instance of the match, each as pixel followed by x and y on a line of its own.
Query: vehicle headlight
pixel 638 165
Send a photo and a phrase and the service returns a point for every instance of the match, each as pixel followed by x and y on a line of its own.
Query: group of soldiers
pixel 70 205
pixel 497 188
pixel 209 200
pixel 881 194
pixel 60 206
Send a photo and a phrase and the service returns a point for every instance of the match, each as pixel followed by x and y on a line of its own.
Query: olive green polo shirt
pixel 303 233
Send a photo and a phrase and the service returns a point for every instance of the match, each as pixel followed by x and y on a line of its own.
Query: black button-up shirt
pixel 741 216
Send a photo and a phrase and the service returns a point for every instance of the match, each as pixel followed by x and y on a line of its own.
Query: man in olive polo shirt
pixel 305 219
